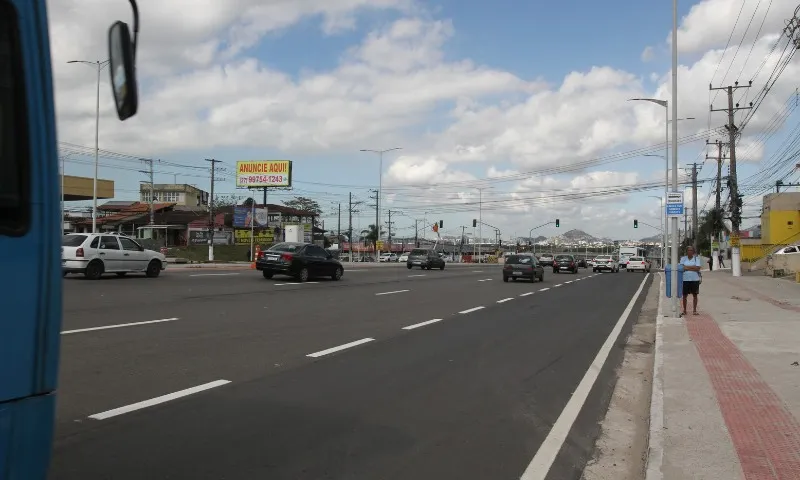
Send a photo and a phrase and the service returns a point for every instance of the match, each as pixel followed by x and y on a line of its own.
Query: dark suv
pixel 424 258
pixel 565 262
pixel 522 266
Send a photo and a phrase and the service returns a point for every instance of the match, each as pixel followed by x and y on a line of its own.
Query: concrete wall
pixel 787 263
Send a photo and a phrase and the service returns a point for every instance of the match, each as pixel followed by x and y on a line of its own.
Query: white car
pixel 389 257
pixel 94 254
pixel 638 264
pixel 790 250
pixel 605 262
pixel 403 257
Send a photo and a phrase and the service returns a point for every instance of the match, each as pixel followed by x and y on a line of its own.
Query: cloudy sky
pixel 524 100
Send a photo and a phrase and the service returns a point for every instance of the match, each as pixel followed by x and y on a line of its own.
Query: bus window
pixel 14 154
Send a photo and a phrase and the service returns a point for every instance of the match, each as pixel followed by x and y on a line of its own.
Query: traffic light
pixel 441 223
pixel 635 223
pixel 474 223
pixel 558 223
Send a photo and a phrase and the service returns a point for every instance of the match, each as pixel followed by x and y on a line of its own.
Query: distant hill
pixel 653 239
pixel 575 235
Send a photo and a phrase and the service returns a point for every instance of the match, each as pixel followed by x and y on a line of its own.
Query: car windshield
pixel 73 240
pixel 419 251
pixel 637 259
pixel 519 259
pixel 563 257
pixel 286 247
pixel 603 257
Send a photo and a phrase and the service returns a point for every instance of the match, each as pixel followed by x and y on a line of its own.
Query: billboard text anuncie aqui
pixel 264 173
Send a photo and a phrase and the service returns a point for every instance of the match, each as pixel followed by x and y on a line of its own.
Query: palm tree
pixel 370 236
pixel 712 223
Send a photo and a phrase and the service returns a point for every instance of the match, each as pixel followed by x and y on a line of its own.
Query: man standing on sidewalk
pixel 691 278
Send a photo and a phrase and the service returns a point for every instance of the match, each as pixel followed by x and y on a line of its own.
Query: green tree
pixel 225 201
pixel 305 204
pixel 370 236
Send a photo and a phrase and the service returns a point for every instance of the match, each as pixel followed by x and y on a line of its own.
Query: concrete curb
pixel 655 441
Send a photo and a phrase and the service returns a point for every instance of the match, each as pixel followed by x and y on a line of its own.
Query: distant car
pixel 565 263
pixel 605 262
pixel 388 257
pixel 582 262
pixel 638 264
pixel 94 254
pixel 522 266
pixel 299 260
pixel 425 259
pixel 546 260
pixel 403 257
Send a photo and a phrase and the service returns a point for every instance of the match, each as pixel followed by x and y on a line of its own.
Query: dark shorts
pixel 691 288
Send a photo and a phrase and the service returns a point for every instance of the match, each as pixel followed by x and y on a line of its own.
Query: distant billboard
pixel 264 173
pixel 243 217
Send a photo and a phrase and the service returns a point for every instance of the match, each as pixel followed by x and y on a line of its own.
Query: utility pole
pixel 377 221
pixel 351 211
pixel 339 225
pixel 389 238
pixel 685 223
pixel 717 199
pixel 211 211
pixel 694 205
pixel 736 202
pixel 416 233
pixel 149 172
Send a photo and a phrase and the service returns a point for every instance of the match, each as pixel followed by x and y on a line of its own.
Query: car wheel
pixel 337 275
pixel 153 269
pixel 441 267
pixel 302 276
pixel 541 278
pixel 408 265
pixel 94 270
pixel 267 274
pixel 63 274
pixel 505 279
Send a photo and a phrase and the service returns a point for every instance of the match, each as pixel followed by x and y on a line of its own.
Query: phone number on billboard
pixel 261 179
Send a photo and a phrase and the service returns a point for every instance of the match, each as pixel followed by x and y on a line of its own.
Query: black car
pixel 424 258
pixel 565 263
pixel 299 260
pixel 582 262
pixel 522 266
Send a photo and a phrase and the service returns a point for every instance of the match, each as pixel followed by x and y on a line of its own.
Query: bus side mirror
pixel 123 70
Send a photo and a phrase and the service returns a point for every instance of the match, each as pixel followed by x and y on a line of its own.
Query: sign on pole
pixel 675 204
pixel 264 173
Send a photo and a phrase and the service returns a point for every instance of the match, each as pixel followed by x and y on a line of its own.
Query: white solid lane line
pixel 339 348
pixel 157 400
pixel 418 275
pixel 213 274
pixel 526 294
pixel 477 271
pixel 544 289
pixel 470 310
pixel 543 460
pixel 485 280
pixel 505 300
pixel 568 281
pixel 119 325
pixel 422 324
pixel 390 293
pixel 557 285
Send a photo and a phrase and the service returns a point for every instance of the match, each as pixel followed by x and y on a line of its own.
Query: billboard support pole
pixel 252 229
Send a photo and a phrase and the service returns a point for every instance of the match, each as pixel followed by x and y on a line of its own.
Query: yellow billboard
pixel 263 173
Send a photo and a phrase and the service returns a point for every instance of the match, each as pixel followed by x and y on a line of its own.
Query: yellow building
pixel 780 218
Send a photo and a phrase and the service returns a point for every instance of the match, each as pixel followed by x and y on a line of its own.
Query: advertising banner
pixel 264 173
pixel 200 237
pixel 243 217
pixel 265 236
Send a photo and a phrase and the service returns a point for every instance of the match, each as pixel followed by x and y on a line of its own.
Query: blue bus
pixel 30 227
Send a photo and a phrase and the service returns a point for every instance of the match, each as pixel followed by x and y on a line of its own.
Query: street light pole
pixel 674 250
pixel 378 198
pixel 99 65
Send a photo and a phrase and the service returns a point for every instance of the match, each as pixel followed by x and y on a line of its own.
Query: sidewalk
pixel 726 389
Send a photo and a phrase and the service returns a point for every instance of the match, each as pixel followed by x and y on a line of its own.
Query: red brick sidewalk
pixel 765 434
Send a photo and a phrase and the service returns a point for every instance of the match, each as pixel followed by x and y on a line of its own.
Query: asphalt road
pixel 471 395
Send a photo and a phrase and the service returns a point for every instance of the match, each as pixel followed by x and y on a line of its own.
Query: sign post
pixel 675 204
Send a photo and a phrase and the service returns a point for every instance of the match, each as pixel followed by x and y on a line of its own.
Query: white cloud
pixel 201 88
